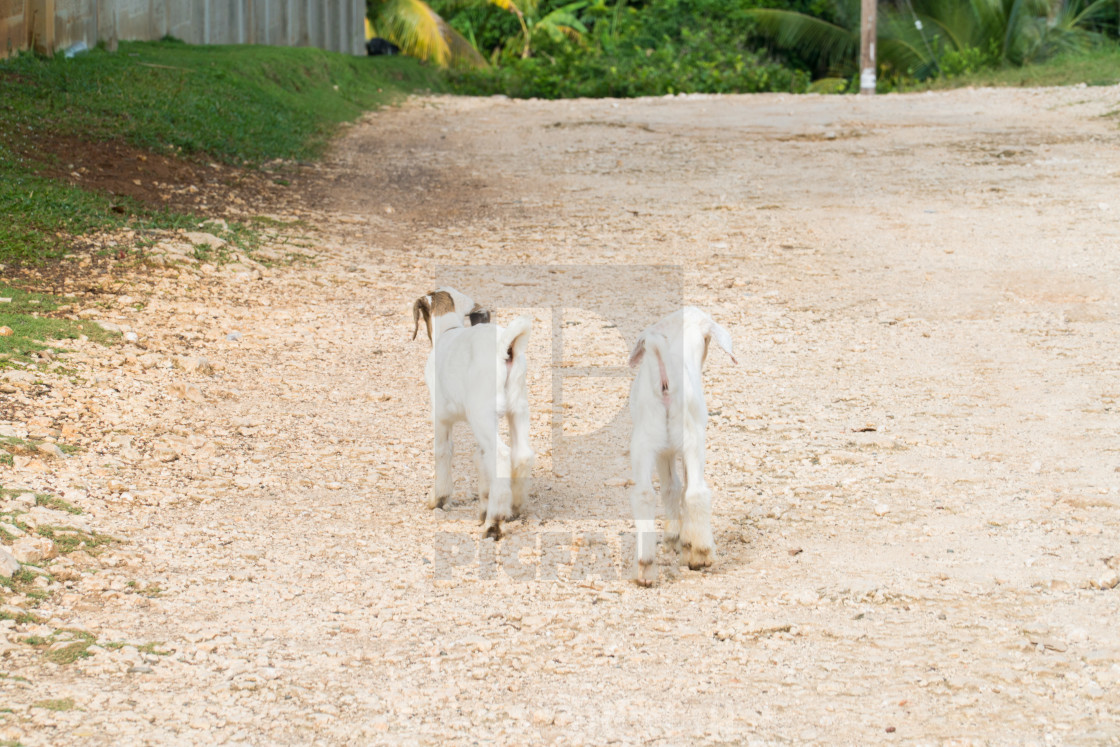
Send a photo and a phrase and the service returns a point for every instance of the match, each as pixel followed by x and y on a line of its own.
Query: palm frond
pixel 1090 13
pixel 563 23
pixel 828 85
pixel 907 54
pixel 420 32
pixel 815 38
pixel 463 53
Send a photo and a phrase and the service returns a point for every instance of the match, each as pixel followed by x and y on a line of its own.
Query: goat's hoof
pixel 493 529
pixel 645 574
pixel 436 501
pixel 698 558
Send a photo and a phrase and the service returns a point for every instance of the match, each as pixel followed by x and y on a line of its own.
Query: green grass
pixel 58 504
pixel 30 334
pixel 43 215
pixel 8 493
pixel 242 105
pixel 152 647
pixel 22 582
pixel 151 590
pixel 238 104
pixel 75 645
pixel 62 704
pixel 24 446
pixel 69 539
pixel 1099 67
pixel 23 618
pixel 31 330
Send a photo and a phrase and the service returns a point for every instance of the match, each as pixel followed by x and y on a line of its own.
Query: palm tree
pixel 829 47
pixel 1000 32
pixel 915 36
pixel 421 32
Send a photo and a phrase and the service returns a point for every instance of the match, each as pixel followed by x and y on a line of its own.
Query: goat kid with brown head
pixel 477 374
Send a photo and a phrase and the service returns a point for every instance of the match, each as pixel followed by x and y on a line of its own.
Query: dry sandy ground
pixel 914 463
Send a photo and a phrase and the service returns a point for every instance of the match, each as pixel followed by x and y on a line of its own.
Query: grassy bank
pixel 1097 67
pixel 241 106
pixel 238 104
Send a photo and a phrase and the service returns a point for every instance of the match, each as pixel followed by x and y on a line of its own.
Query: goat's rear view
pixel 670 417
pixel 477 374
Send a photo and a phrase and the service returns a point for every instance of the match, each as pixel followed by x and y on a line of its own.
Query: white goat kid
pixel 477 374
pixel 670 417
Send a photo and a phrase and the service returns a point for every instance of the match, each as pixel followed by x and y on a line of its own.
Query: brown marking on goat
pixel 422 308
pixel 442 303
pixel 664 381
pixel 479 315
pixel 436 303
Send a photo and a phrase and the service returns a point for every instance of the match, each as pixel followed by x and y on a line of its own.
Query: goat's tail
pixel 656 344
pixel 514 340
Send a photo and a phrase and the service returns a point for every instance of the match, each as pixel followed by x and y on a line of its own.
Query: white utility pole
pixel 867 26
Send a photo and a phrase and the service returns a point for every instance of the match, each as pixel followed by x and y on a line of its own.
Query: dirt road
pixel 914 463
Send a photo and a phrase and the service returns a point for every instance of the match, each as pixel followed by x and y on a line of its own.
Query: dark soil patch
pixel 130 175
pixel 153 179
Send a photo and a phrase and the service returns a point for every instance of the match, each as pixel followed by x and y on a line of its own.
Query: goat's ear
pixel 422 308
pixel 479 315
pixel 723 339
pixel 638 352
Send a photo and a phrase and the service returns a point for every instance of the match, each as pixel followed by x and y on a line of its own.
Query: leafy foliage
pixel 625 49
pixel 421 32
pixel 642 47
pixel 929 38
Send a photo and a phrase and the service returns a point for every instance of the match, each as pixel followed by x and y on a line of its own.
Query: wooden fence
pixel 48 26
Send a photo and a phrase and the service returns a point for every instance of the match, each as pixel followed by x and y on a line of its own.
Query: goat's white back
pixel 670 415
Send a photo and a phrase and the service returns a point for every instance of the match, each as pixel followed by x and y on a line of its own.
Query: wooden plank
pixel 13 27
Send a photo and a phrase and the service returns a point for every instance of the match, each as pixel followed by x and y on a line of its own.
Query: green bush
pixel 675 46
pixel 957 62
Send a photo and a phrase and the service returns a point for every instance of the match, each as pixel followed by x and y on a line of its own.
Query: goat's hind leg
pixel 697 543
pixel 521 460
pixel 444 455
pixel 643 502
pixel 669 474
pixel 483 484
pixel 494 466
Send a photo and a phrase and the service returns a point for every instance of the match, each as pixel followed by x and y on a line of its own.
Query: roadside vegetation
pixel 109 145
pixel 239 106
pixel 560 48
pixel 266 108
